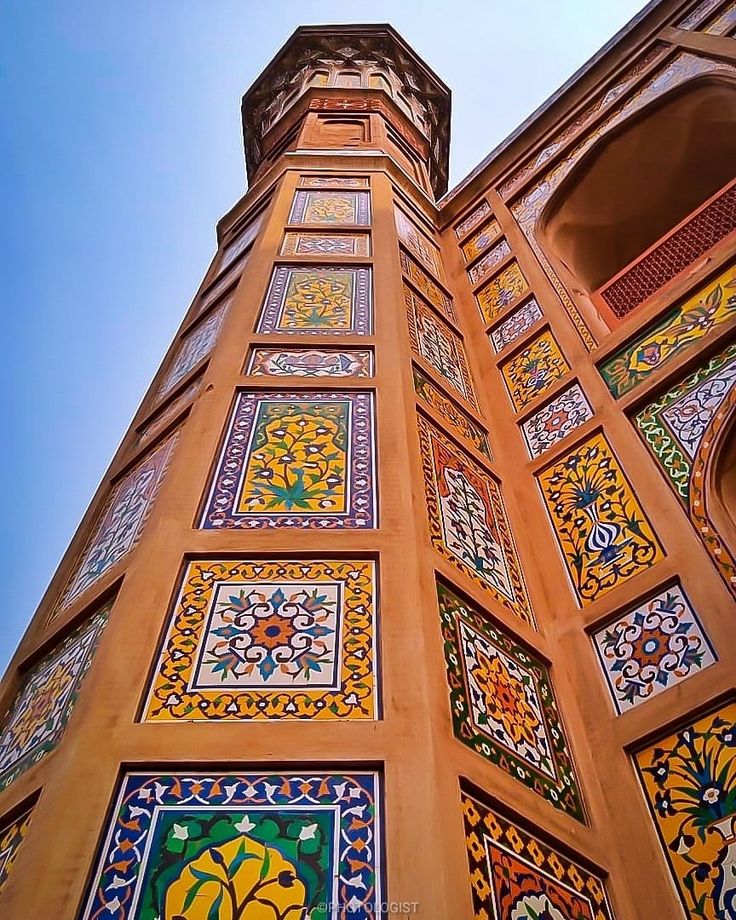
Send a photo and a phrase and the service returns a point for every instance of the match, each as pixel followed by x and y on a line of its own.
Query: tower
pixel 410 588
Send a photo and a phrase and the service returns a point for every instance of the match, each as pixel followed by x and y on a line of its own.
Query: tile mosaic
pixel 515 876
pixel 240 845
pixel 503 706
pixel 318 301
pixel 310 362
pixel 38 716
pixel 603 533
pixel 501 291
pixel 689 780
pixel 556 420
pixel 269 639
pixel 330 244
pixel 331 208
pixel 458 421
pixel 302 460
pixel 515 325
pixel 468 522
pixel 533 370
pixel 652 647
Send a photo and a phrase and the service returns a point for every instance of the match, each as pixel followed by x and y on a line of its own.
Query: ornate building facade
pixel 410 589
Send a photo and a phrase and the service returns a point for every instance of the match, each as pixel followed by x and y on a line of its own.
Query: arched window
pixel 349 78
pixel 379 81
pixel 660 171
pixel 723 501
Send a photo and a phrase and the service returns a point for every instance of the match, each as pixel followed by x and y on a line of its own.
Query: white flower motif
pixel 711 795
pixel 244 826
pixel 180 832
pixel 308 832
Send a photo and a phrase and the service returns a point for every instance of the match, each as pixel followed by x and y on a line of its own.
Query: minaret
pixel 408 590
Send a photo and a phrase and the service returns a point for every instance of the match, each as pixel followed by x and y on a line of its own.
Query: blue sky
pixel 120 148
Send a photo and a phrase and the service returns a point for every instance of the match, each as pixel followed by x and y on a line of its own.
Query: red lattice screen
pixel 698 233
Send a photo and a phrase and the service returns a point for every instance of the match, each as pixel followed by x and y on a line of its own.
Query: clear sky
pixel 120 148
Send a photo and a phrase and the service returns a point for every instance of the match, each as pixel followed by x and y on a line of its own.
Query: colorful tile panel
pixel 41 709
pixel 434 340
pixel 334 181
pixel 473 219
pixel 242 241
pixel 318 301
pixel 310 362
pixel 532 371
pixel 675 426
pixel 421 280
pixel 302 460
pixel 500 292
pixel 161 419
pixel 709 307
pixel 689 781
pixel 269 640
pixel 121 522
pixel 604 535
pixel 240 845
pixel 228 280
pixel 481 240
pixel 11 837
pixel 516 325
pixel 418 244
pixel 484 266
pixel 516 876
pixel 555 421
pixel 654 646
pixel 329 244
pixel 503 706
pixel 458 421
pixel 331 208
pixel 468 521
pixel 195 347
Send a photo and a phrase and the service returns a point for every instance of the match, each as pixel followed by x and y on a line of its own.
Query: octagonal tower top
pixel 351 69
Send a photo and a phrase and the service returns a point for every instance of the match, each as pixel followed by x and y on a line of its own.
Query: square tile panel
pixel 556 420
pixel 323 207
pixel 240 845
pixel 533 370
pixel 269 639
pixel 12 836
pixel 655 645
pixel 317 301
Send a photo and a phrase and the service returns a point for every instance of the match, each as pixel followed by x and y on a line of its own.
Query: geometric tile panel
pixel 267 639
pixel 603 533
pixel 434 340
pixel 196 346
pixel 120 523
pixel 500 292
pixel 489 261
pixel 481 240
pixel 309 362
pixel 515 876
pixel 458 421
pixel 468 522
pixel 316 301
pixel 41 709
pixel 160 420
pixel 421 280
pixel 235 846
pixel 689 781
pixel 533 370
pixel 652 647
pixel 331 208
pixel 302 460
pixel 707 308
pixel 419 245
pixel 503 706
pixel 553 422
pixel 331 244
pixel 675 425
pixel 517 323
pixel 473 219
pixel 11 837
